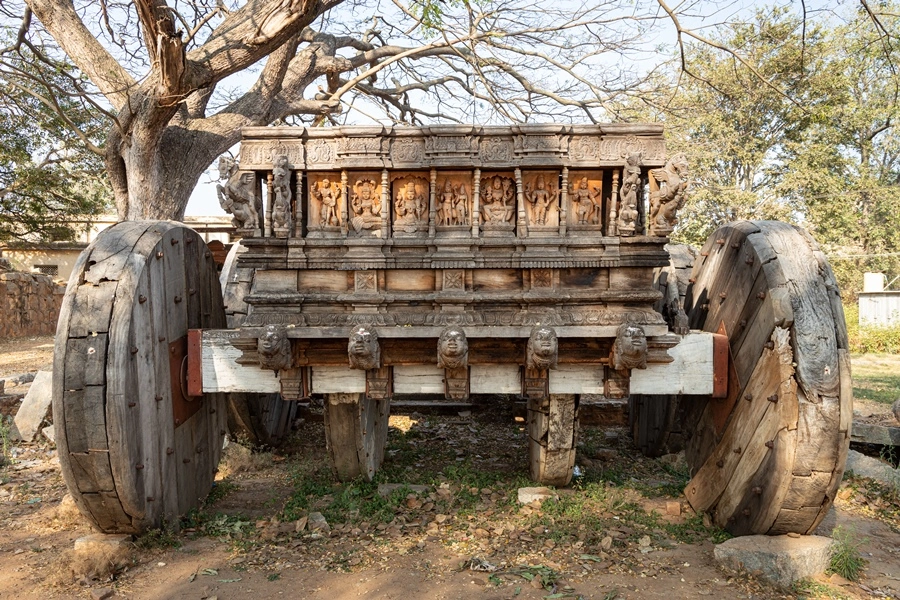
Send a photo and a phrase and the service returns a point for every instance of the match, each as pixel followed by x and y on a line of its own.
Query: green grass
pixel 846 559
pixel 870 338
pixel 5 443
pixel 876 377
pixel 158 539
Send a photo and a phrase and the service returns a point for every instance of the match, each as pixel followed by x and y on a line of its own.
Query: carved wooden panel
pixel 615 149
pixel 498 204
pixel 585 210
pixel 410 197
pixel 496 151
pixel 365 209
pixel 453 202
pixel 326 203
pixel 454 280
pixel 408 152
pixel 542 197
pixel 261 154
pixel 320 154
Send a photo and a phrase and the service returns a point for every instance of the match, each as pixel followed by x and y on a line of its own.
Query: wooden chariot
pixel 454 260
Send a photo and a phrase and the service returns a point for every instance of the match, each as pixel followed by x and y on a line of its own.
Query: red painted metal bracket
pixel 194 363
pixel 721 352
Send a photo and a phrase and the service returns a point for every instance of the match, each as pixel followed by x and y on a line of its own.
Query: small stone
pixel 440 519
pixel 50 433
pixel 35 406
pixel 644 541
pixel 386 489
pixel 300 524
pixel 102 594
pixel 317 522
pixel 673 508
pixel 606 543
pixel 527 495
pixel 781 560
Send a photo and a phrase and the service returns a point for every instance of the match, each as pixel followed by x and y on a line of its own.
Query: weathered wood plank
pixel 418 379
pixel 691 372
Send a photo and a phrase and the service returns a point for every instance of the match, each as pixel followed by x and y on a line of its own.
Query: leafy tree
pixel 47 176
pixel 165 71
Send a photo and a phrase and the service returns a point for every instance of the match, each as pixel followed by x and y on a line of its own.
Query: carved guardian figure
pixel 542 351
pixel 671 195
pixel 453 349
pixel 630 348
pixel 363 350
pixel 238 196
pixel 274 349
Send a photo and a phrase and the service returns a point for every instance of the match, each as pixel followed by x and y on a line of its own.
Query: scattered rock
pixel 781 560
pixel 866 466
pixel 35 406
pixel 386 489
pixel 102 542
pixel 527 495
pixel 102 594
pixel 316 522
pixel 673 508
pixel 50 433
pixel 605 454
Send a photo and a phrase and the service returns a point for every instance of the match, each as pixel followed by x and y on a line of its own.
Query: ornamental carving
pixel 630 348
pixel 628 195
pixel 449 144
pixel 360 145
pixel 542 199
pixel 282 218
pixel 325 201
pixel 260 154
pixel 453 201
pixel 542 350
pixel 274 348
pixel 363 349
pixel 541 278
pixel 365 205
pixel 319 152
pixel 496 150
pixel 410 205
pixel 585 200
pixel 408 151
pixel 498 202
pixel 454 280
pixel 238 197
pixel 365 281
pixel 584 148
pixel 453 349
pixel 669 195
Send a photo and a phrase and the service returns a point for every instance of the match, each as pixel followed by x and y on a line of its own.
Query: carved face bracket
pixel 542 351
pixel 630 348
pixel 274 349
pixel 363 349
pixel 453 349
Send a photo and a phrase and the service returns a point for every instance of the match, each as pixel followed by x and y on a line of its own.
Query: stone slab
pixel 780 560
pixel 527 495
pixel 35 406
pixel 98 542
pixel 866 466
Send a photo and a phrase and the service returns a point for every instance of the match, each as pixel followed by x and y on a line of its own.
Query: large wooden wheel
pixel 260 419
pixel 768 458
pixel 356 429
pixel 135 451
pixel 552 438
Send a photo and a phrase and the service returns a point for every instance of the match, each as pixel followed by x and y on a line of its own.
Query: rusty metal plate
pixel 183 406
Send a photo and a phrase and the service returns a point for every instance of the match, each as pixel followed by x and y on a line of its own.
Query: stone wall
pixel 29 304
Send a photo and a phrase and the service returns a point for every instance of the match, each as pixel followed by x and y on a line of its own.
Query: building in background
pixel 56 259
pixel 878 305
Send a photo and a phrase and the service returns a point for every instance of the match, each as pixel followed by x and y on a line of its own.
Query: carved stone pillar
pixel 613 215
pixel 345 215
pixel 432 199
pixel 476 203
pixel 385 205
pixel 299 198
pixel 521 225
pixel 563 201
pixel 270 199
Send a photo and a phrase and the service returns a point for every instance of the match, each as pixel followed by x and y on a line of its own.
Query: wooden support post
pixel 521 222
pixel 552 436
pixel 355 434
pixel 563 201
pixel 432 200
pixel 385 205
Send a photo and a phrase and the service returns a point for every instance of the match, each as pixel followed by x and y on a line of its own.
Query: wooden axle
pixel 691 367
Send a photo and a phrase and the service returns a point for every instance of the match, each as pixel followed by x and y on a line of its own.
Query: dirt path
pixel 608 537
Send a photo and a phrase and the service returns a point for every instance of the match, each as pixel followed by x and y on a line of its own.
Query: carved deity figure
pixel 238 196
pixel 411 207
pixel 453 349
pixel 585 201
pixel 366 206
pixel 461 205
pixel 447 205
pixel 327 194
pixel 274 349
pixel 631 177
pixel 671 195
pixel 630 347
pixel 363 350
pixel 543 348
pixel 281 189
pixel 541 199
pixel 499 201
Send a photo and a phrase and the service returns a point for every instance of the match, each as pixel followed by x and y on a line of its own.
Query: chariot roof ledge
pixel 450 146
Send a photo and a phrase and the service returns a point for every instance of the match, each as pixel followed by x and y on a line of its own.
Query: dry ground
pixel 607 537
